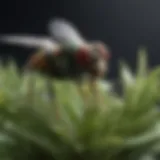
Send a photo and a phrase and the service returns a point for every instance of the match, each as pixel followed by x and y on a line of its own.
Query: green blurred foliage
pixel 124 128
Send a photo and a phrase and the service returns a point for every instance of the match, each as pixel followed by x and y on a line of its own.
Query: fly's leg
pixel 51 95
pixel 34 63
pixel 50 90
pixel 97 95
pixel 93 87
pixel 82 92
pixel 29 85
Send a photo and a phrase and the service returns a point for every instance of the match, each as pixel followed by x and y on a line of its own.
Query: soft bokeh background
pixel 123 24
pixel 129 123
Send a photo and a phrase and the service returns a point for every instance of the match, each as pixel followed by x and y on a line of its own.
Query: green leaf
pixel 64 127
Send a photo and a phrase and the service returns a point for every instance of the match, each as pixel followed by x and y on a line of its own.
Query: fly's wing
pixel 30 41
pixel 65 32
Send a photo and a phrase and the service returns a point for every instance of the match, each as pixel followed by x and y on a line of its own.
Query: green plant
pixel 124 128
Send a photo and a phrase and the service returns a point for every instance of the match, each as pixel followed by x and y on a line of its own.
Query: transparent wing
pixel 65 32
pixel 29 41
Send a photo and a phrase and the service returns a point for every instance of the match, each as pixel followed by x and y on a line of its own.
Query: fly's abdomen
pixel 38 62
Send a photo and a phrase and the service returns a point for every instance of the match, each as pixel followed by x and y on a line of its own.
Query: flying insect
pixel 65 55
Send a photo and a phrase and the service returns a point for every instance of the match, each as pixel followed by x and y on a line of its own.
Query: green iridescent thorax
pixel 70 48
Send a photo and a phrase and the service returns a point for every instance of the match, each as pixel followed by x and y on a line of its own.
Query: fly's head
pixel 94 58
pixel 100 55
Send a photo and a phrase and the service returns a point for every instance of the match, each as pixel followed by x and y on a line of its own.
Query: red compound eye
pixel 83 56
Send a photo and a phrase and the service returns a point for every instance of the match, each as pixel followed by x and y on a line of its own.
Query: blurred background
pixel 124 25
pixel 129 127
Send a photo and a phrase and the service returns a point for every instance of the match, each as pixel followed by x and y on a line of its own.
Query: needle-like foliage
pixel 125 127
